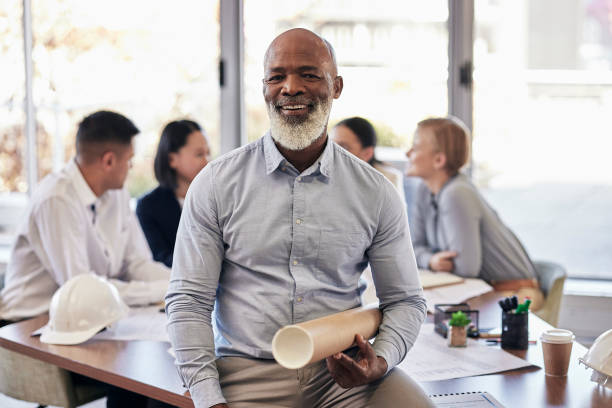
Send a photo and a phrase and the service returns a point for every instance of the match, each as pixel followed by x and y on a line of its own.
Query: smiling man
pixel 279 232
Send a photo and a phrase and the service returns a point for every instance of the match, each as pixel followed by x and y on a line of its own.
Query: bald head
pixel 300 40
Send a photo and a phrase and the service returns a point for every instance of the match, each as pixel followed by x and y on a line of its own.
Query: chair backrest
pixel 25 378
pixel 551 277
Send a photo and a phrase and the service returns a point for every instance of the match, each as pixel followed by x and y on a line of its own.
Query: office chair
pixel 551 277
pixel 2 274
pixel 27 379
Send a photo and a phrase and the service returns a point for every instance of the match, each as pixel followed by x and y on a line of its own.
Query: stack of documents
pixel 457 293
pixel 430 359
pixel 431 279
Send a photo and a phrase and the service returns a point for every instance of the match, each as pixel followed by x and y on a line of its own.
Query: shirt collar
pixel 274 158
pixel 436 197
pixel 83 191
pixel 327 158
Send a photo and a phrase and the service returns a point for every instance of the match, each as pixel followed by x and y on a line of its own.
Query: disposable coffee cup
pixel 557 348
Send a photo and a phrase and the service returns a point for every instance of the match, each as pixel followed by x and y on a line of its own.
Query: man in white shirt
pixel 79 221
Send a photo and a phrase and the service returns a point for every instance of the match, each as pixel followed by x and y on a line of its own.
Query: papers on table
pixel 455 290
pixel 142 323
pixel 431 279
pixel 457 293
pixel 466 400
pixel 430 359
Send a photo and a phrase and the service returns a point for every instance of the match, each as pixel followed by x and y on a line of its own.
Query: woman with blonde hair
pixel 453 228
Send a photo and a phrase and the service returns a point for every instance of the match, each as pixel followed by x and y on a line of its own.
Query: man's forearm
pixel 191 335
pixel 399 329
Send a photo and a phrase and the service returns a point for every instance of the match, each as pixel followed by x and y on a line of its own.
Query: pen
pixel 489 335
pixel 509 303
pixel 491 342
pixel 514 302
pixel 523 307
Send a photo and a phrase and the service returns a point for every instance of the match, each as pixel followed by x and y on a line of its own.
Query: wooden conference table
pixel 147 368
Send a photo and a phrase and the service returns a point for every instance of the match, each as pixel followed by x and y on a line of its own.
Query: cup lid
pixel 559 336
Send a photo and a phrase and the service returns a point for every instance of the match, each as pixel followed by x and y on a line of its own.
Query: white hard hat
pixel 80 308
pixel 599 358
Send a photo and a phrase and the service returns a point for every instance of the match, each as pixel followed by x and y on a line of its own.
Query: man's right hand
pixel 442 261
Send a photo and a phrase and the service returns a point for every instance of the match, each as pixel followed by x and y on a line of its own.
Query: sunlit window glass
pixel 542 108
pixel 393 56
pixel 13 177
pixel 153 61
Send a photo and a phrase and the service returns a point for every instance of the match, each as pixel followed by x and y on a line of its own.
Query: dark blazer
pixel 159 213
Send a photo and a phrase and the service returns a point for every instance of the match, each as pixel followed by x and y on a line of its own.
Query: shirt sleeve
pixel 56 217
pixel 459 219
pixel 62 234
pixel 396 279
pixel 418 230
pixel 143 281
pixel 161 249
pixel 198 257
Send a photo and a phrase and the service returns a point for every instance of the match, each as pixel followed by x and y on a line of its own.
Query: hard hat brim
pixel 68 338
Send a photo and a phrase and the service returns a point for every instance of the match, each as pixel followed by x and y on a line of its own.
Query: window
pixel 149 60
pixel 13 176
pixel 392 54
pixel 542 105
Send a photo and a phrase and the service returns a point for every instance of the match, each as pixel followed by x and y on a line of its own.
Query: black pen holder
pixel 515 332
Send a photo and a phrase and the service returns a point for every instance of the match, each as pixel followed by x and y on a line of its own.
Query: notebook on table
pixel 465 400
pixel 431 279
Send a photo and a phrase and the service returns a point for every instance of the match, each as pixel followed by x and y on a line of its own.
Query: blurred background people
pixel 79 221
pixel 182 152
pixel 453 228
pixel 358 136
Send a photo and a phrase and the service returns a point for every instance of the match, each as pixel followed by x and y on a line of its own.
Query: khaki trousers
pixel 249 383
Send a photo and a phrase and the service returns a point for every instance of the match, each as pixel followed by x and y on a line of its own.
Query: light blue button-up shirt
pixel 268 246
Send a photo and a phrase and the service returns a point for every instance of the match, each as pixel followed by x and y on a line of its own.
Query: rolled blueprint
pixel 300 344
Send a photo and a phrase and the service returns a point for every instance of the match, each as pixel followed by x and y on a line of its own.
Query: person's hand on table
pixel 365 368
pixel 442 261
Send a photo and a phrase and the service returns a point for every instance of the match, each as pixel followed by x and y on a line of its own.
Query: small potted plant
pixel 457 336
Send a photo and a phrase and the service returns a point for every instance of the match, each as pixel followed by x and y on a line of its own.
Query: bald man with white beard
pixel 279 232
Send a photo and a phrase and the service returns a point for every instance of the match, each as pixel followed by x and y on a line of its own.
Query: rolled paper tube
pixel 300 344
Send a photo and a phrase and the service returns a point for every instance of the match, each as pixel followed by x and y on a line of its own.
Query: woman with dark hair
pixel 453 228
pixel 358 136
pixel 182 152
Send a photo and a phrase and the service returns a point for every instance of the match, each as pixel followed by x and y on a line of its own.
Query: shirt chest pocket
pixel 339 253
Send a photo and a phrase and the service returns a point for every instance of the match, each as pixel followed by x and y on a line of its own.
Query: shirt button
pixel 299 179
pixel 299 299
pixel 295 262
pixel 298 221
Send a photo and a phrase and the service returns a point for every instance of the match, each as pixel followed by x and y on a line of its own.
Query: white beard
pixel 298 136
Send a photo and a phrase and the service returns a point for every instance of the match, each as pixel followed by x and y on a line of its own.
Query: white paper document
pixel 466 400
pixel 142 323
pixel 457 293
pixel 430 359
